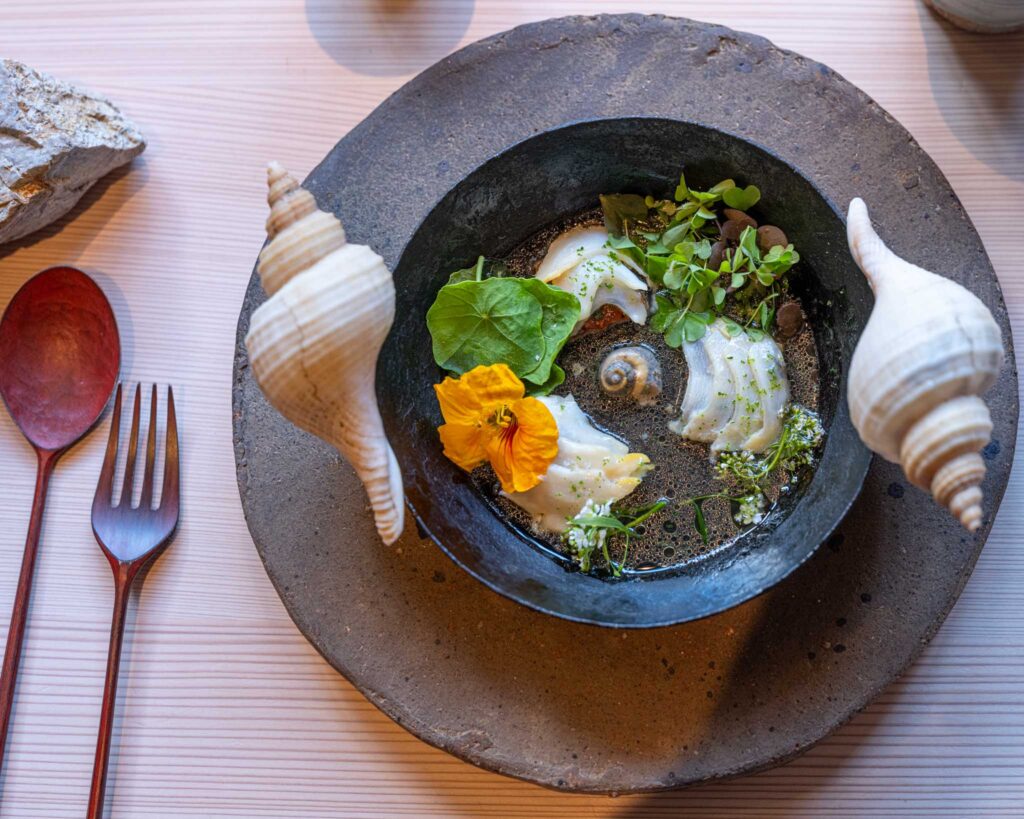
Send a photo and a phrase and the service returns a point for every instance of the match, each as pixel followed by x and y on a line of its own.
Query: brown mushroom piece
pixel 745 220
pixel 768 236
pixel 717 255
pixel 731 231
pixel 789 319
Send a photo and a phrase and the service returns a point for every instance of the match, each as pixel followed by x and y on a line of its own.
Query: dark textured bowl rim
pixel 860 458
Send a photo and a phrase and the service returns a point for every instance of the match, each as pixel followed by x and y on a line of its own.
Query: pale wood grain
pixel 226 710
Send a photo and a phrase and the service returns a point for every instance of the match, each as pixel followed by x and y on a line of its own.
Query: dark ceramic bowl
pixel 545 179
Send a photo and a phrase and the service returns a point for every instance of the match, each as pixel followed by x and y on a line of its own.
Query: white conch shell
pixel 313 345
pixel 929 350
pixel 590 465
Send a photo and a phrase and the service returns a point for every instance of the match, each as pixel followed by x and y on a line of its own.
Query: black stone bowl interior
pixel 546 178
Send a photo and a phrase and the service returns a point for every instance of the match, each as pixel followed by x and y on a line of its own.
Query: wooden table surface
pixel 226 710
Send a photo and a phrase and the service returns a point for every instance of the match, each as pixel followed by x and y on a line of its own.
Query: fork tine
pixel 105 485
pixel 133 448
pixel 146 499
pixel 169 496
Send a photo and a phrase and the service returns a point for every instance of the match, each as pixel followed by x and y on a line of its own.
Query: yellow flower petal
pixel 464 444
pixel 523 451
pixel 494 384
pixel 468 399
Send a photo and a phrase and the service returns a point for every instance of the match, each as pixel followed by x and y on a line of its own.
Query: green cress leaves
pixel 672 242
pixel 523 323
pixel 741 198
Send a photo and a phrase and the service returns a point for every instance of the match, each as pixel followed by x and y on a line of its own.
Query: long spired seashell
pixel 929 350
pixel 313 345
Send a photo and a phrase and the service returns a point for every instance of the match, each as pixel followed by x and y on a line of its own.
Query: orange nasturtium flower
pixel 489 419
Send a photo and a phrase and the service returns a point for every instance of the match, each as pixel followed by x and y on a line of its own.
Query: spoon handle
pixel 124 574
pixel 8 677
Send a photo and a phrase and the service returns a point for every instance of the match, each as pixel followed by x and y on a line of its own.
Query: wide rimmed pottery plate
pixel 568 705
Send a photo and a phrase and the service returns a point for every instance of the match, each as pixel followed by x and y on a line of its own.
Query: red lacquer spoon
pixel 59 359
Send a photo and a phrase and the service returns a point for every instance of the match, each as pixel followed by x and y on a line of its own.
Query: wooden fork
pixel 130 537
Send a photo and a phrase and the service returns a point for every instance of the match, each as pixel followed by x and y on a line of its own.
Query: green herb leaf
pixel 748 244
pixel 486 322
pixel 601 521
pixel 559 313
pixel 737 280
pixel 675 328
pixel 555 379
pixel 741 198
pixel 655 267
pixel 686 210
pixel 674 235
pixel 801 434
pixel 664 307
pixel 699 523
pixel 620 242
pixel 695 325
pixel 674 276
pixel 622 207
pixel 519 322
pixel 662 320
pixel 631 516
pixel 591 532
pixel 681 190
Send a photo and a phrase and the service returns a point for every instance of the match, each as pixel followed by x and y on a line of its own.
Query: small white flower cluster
pixel 751 509
pixel 804 427
pixel 730 464
pixel 584 540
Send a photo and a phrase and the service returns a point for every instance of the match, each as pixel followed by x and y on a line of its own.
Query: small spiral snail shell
pixel 632 372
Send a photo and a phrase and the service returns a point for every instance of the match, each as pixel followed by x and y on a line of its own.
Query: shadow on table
pixel 386 38
pixel 978 84
pixel 718 798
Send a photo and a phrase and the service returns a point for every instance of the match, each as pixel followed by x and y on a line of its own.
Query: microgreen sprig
pixel 749 474
pixel 595 524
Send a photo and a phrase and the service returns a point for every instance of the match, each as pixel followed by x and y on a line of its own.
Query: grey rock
pixel 56 141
